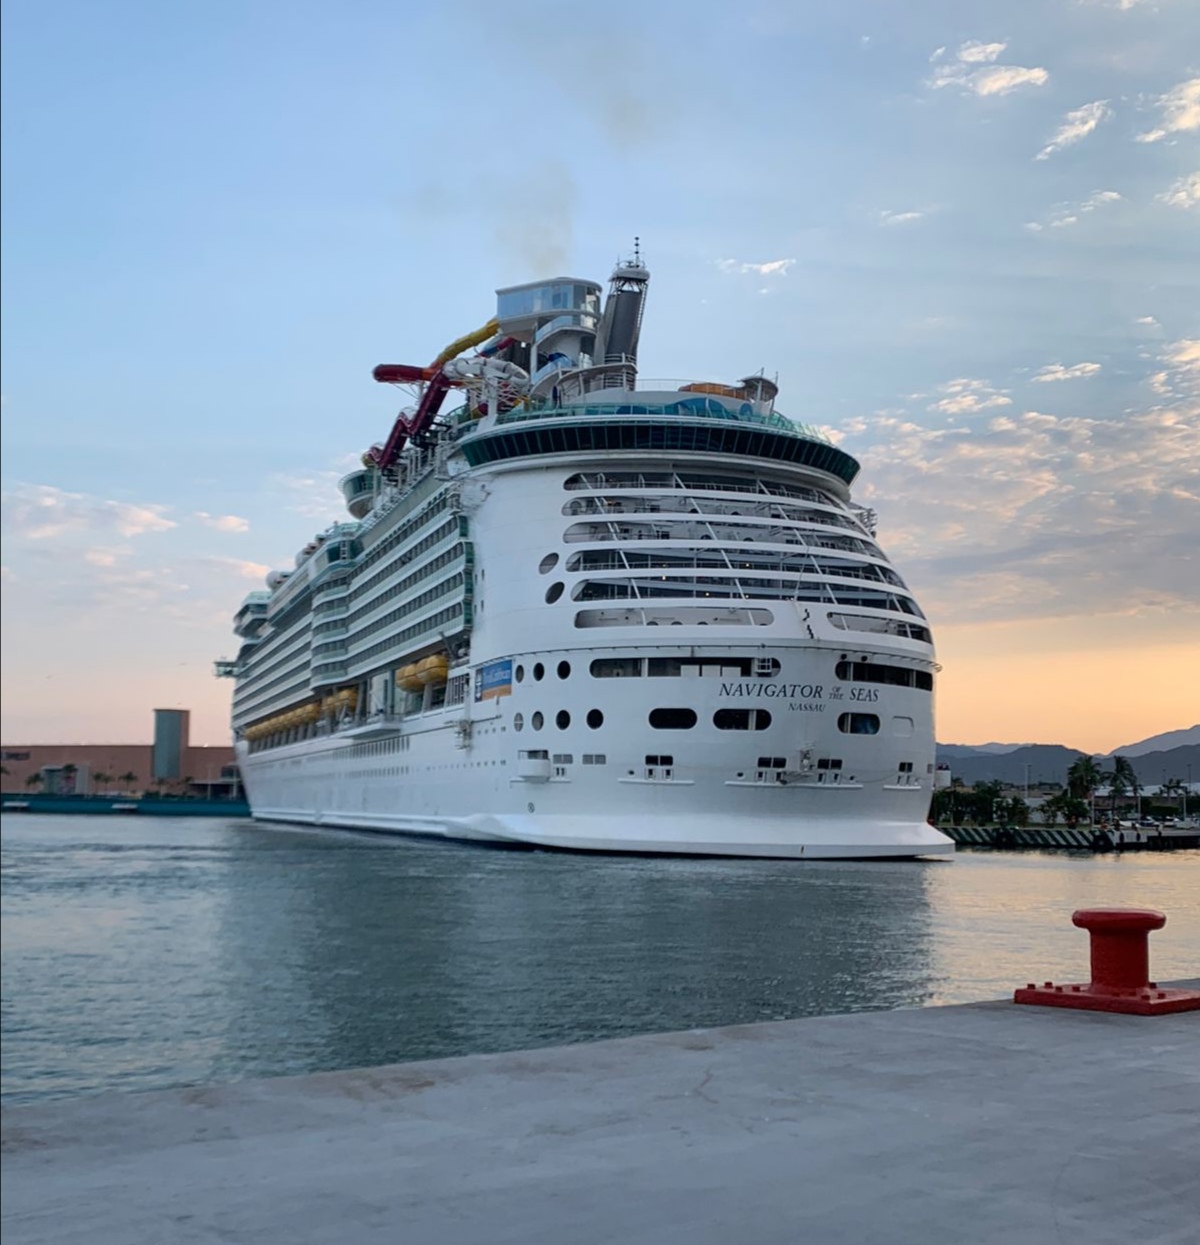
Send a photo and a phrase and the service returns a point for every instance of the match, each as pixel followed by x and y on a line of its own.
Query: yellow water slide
pixel 456 348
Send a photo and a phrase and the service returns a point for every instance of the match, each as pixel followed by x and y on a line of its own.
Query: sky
pixel 965 236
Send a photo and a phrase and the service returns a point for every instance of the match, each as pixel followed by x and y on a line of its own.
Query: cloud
pixel 973 52
pixel 314 494
pixel 43 512
pixel 223 522
pixel 770 268
pixel 898 218
pixel 104 557
pixel 966 397
pixel 1056 371
pixel 1179 376
pixel 1032 514
pixel 1149 320
pixel 1185 193
pixel 1180 112
pixel 242 568
pixel 1076 126
pixel 1066 214
pixel 973 71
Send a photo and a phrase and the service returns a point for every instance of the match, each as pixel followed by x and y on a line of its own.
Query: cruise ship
pixel 573 608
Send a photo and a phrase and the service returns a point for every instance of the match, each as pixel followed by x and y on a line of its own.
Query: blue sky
pixel 966 236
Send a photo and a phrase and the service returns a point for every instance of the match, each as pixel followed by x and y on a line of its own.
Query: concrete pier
pixel 982 1123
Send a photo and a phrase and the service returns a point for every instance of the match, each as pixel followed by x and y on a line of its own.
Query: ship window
pixel 741 719
pixel 595 758
pixel 539 672
pixel 772 762
pixel 553 593
pixel 563 758
pixel 616 667
pixel 672 719
pixel 858 724
pixel 520 674
pixel 518 721
pixel 880 672
pixel 564 669
pixel 595 719
pixel 548 563
pixel 562 719
pixel 537 721
pixel 660 760
pixel 902 726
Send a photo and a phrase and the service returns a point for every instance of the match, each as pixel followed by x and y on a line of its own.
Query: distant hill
pixel 1160 743
pixel 953 750
pixel 1050 762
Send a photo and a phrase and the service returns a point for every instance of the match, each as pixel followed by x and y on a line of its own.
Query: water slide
pixel 437 385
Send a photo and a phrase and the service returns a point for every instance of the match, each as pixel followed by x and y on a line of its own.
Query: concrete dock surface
pixel 979 1123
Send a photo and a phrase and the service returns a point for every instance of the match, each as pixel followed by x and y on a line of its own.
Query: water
pixel 142 953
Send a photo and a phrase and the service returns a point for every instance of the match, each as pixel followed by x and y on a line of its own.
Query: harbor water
pixel 141 953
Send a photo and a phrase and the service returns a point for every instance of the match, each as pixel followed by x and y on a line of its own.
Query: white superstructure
pixel 582 613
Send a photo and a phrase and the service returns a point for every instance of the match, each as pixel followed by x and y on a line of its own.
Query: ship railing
pixel 685 406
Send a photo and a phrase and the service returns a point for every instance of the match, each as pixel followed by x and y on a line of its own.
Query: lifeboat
pixel 434 669
pixel 408 680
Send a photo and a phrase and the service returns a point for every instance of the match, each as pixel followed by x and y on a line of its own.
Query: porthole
pixel 564 669
pixel 741 719
pixel 548 563
pixel 520 674
pixel 537 721
pixel 672 719
pixel 518 721
pixel 595 719
pixel 539 672
pixel 562 719
pixel 553 593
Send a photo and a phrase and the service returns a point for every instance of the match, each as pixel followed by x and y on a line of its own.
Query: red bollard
pixel 1120 969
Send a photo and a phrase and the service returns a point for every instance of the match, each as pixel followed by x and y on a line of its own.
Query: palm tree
pixel 1173 789
pixel 35 780
pixel 100 778
pixel 128 778
pixel 1122 783
pixel 985 799
pixel 1083 778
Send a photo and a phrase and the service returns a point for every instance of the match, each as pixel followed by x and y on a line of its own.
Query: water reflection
pixel 140 954
pixel 377 953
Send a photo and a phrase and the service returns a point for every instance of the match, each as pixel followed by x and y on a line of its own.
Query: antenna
pixel 637 250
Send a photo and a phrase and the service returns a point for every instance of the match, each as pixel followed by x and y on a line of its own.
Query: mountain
pixel 1050 762
pixel 975 749
pixel 1160 743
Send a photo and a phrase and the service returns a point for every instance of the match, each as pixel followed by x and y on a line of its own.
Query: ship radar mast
pixel 621 324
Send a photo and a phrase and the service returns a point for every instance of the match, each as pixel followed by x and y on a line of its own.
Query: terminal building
pixel 169 764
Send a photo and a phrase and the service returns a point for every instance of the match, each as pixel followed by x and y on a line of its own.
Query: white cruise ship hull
pixel 796 837
pixel 594 616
